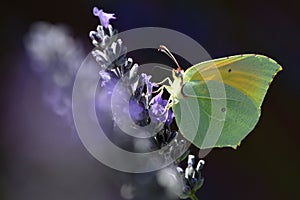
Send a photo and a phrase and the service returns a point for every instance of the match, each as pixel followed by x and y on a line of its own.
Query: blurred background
pixel 40 153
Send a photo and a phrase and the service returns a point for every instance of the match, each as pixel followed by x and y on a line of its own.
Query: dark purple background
pixel 41 158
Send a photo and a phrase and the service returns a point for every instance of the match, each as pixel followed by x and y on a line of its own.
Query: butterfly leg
pixel 159 89
pixel 164 80
pixel 169 104
pixel 163 86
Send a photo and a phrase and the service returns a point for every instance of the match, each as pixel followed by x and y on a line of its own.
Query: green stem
pixel 193 197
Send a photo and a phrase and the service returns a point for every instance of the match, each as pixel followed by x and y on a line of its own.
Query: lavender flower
pixel 169 118
pixel 141 92
pixel 103 17
pixel 144 109
pixel 191 178
pixel 105 77
pixel 165 137
pixel 158 113
pixel 138 112
pixel 101 39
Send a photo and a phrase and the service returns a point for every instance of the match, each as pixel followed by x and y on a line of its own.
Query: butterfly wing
pixel 250 73
pixel 228 93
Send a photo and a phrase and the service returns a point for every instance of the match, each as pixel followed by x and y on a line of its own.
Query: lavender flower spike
pixel 104 17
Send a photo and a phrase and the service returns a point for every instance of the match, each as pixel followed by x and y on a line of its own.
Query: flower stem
pixel 193 197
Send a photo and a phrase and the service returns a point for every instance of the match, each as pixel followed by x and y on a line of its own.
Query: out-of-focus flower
pixel 127 191
pixel 56 55
pixel 169 179
pixel 103 17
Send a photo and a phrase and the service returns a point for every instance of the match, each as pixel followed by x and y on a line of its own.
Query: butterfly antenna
pixel 165 50
pixel 162 68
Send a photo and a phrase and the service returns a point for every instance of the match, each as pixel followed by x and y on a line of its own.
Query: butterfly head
pixel 178 73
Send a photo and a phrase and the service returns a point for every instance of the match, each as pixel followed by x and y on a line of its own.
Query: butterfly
pixel 217 103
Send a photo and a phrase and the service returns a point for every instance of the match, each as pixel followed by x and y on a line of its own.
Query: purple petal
pixel 170 118
pixel 157 113
pixel 95 11
pixel 157 98
pixel 157 110
pixel 103 17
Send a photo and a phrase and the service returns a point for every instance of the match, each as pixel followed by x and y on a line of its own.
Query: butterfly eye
pixel 178 73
